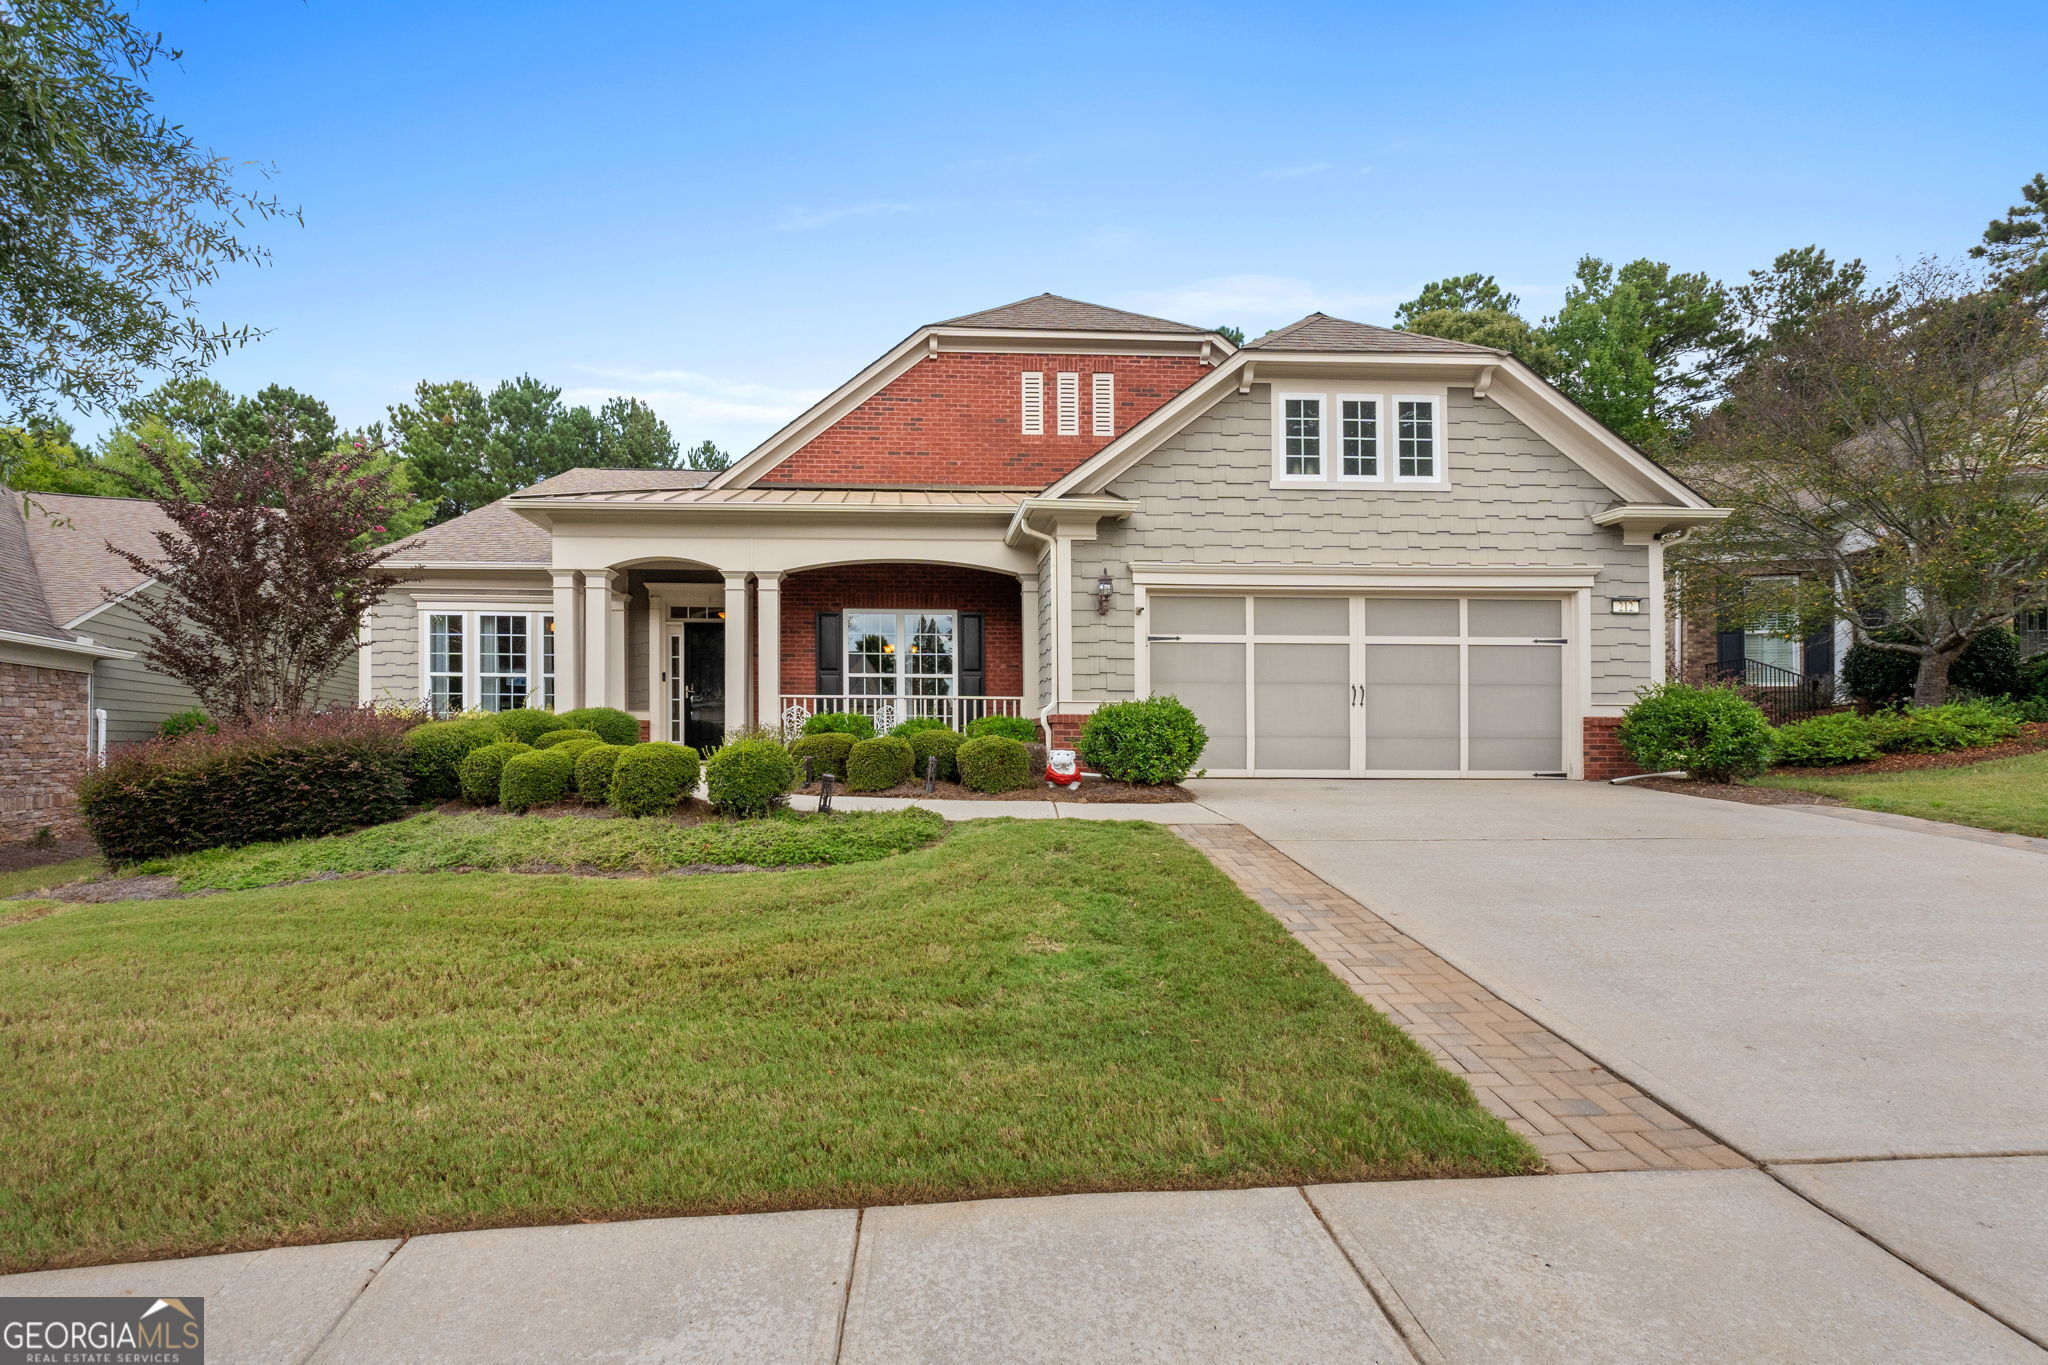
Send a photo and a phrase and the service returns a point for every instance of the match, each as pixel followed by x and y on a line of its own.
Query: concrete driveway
pixel 1806 988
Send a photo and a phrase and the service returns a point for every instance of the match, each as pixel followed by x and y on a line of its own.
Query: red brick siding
pixel 1605 757
pixel 46 727
pixel 955 420
pixel 904 587
pixel 1066 730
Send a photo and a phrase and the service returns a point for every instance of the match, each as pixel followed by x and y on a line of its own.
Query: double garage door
pixel 1367 686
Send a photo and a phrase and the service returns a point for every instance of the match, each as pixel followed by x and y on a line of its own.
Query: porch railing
pixel 1786 696
pixel 956 712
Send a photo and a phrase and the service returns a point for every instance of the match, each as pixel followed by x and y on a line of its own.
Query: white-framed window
pixel 1301 436
pixel 1360 431
pixel 1349 438
pixel 1067 402
pixel 498 659
pixel 1103 403
pixel 902 653
pixel 1034 403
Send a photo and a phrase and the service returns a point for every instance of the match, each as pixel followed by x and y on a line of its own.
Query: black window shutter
pixel 831 656
pixel 1729 654
pixel 1818 658
pixel 973 676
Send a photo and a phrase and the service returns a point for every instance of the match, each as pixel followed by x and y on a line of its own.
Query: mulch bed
pixel 1735 791
pixel 23 856
pixel 1090 790
pixel 2032 739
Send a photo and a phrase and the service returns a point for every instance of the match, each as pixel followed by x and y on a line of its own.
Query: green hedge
pixel 827 752
pixel 1938 729
pixel 942 744
pixel 917 725
pixel 841 723
pixel 549 739
pixel 1019 728
pixel 527 724
pixel 594 772
pixel 1152 741
pixel 749 776
pixel 653 778
pixel 1714 733
pixel 609 724
pixel 994 763
pixel 436 748
pixel 538 777
pixel 876 765
pixel 1824 741
pixel 482 769
pixel 291 779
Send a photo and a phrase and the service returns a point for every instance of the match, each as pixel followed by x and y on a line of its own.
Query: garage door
pixel 1367 686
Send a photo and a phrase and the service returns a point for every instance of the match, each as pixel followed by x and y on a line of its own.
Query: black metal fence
pixel 1784 695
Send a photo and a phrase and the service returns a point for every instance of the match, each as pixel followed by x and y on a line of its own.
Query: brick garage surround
pixel 43 713
pixel 1605 757
pixel 955 420
pixel 904 587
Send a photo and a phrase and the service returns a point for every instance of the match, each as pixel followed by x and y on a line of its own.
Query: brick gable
pixel 953 421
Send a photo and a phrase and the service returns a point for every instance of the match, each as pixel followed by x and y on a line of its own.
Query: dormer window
pixel 1339 439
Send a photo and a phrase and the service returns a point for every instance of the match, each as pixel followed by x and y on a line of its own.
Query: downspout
pixel 1052 564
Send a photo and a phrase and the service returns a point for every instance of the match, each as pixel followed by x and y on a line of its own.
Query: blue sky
pixel 729 209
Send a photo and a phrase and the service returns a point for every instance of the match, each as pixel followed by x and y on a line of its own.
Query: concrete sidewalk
pixel 1667 1266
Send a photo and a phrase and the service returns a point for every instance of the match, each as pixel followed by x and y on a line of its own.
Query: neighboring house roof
pixel 495 534
pixel 1050 312
pixel 68 533
pixel 1321 332
pixel 23 608
pixel 970 498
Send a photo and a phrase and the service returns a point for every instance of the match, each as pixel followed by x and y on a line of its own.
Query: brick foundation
pixel 1605 757
pixel 904 587
pixel 46 726
pixel 1066 730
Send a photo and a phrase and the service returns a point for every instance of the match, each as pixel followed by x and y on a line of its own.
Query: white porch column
pixel 615 644
pixel 1027 608
pixel 768 604
pixel 598 685
pixel 735 650
pixel 568 642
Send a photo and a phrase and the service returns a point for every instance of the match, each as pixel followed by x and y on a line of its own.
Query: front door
pixel 695 675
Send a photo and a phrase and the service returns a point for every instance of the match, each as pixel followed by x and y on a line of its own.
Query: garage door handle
pixel 1162 637
pixel 1558 641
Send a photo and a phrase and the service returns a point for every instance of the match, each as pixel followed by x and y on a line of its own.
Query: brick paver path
pixel 1578 1114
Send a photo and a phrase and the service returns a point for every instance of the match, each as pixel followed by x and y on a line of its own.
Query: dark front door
pixel 702 683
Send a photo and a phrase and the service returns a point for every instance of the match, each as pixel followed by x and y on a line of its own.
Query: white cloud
pixel 1239 299
pixel 736 413
pixel 803 220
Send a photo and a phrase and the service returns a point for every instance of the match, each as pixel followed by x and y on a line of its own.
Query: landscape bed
pixel 1021 1008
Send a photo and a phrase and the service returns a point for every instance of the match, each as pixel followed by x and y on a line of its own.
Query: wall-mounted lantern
pixel 1104 589
pixel 1625 606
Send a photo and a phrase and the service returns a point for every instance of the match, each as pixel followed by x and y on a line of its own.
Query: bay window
pixel 498 660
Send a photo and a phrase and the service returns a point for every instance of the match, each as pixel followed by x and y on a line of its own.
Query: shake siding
pixel 1204 498
pixel 395 628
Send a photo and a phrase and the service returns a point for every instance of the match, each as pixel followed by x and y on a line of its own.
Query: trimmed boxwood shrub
pixel 1009 727
pixel 437 747
pixel 594 772
pixel 287 779
pixel 750 776
pixel 538 777
pixel 653 778
pixel 1823 741
pixel 1152 741
pixel 527 724
pixel 944 744
pixel 994 763
pixel 574 749
pixel 875 765
pixel 608 723
pixel 916 725
pixel 827 751
pixel 551 738
pixel 482 769
pixel 841 723
pixel 1714 733
pixel 1989 666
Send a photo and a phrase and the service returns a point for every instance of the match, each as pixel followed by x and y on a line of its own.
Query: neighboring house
pixel 1353 551
pixel 72 680
pixel 1763 653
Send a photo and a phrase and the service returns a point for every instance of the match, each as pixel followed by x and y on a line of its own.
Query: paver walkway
pixel 1580 1115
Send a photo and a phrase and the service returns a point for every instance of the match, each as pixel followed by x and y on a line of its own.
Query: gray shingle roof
pixel 22 606
pixel 68 533
pixel 1321 332
pixel 1050 312
pixel 495 534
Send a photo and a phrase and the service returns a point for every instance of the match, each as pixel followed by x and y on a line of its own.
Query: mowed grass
pixel 1022 1008
pixel 25 880
pixel 2009 794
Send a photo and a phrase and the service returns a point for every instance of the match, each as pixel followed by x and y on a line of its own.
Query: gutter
pixel 17 637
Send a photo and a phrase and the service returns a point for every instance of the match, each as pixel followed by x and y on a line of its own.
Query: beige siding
pixel 1205 498
pixel 136 697
pixel 395 642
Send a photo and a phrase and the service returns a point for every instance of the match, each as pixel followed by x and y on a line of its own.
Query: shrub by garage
pixel 1714 733
pixel 1150 742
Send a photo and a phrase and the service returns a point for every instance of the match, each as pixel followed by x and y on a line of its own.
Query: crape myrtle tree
pixel 1895 444
pixel 266 569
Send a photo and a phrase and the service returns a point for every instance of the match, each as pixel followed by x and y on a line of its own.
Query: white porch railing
pixel 956 712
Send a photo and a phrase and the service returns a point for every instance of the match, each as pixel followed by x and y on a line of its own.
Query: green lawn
pixel 50 874
pixel 1026 1007
pixel 2009 794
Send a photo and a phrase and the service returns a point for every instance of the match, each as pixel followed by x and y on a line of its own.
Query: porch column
pixel 735 651
pixel 597 649
pixel 615 645
pixel 1027 608
pixel 568 642
pixel 768 602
